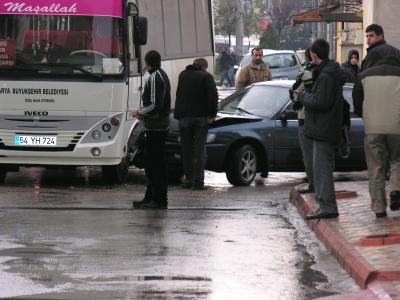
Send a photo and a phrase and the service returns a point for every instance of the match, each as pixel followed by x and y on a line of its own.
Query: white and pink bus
pixel 71 69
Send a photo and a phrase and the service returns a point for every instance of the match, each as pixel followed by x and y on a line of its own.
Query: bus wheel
pixel 116 174
pixel 3 175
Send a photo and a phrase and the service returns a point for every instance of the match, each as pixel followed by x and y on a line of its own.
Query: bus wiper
pixel 242 110
pixel 74 67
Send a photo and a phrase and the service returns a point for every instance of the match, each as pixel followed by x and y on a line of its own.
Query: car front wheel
pixel 3 175
pixel 242 165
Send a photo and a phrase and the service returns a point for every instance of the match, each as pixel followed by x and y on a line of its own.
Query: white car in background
pixel 284 64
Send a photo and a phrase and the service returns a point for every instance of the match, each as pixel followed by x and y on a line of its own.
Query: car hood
pixel 224 119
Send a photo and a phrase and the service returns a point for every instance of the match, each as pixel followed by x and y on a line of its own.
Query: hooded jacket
pixel 352 70
pixel 324 103
pixel 196 95
pixel 376 97
pixel 376 52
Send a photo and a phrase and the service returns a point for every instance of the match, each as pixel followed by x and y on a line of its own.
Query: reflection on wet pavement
pixel 77 239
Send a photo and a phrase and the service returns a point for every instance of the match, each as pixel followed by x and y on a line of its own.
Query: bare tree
pixel 281 11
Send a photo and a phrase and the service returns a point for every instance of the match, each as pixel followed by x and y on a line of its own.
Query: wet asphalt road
pixel 64 235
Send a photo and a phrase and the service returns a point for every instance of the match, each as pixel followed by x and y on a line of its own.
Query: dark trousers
pixel 193 131
pixel 323 165
pixel 306 146
pixel 155 167
pixel 225 74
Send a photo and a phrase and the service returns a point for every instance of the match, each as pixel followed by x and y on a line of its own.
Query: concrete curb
pixel 376 284
pixel 355 265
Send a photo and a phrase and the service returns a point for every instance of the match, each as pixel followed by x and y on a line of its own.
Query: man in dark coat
pixel 351 66
pixel 226 62
pixel 378 48
pixel 323 125
pixel 155 115
pixel 195 107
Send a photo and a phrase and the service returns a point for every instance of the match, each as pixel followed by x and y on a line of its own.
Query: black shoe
pixel 381 215
pixel 395 200
pixel 138 204
pixel 307 188
pixel 187 185
pixel 199 187
pixel 321 215
pixel 155 205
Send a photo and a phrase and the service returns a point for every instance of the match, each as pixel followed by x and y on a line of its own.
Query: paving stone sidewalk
pixel 375 266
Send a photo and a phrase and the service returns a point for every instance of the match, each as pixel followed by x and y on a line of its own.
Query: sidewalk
pixel 373 262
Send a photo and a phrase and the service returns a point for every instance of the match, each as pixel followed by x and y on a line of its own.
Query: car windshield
pixel 275 61
pixel 61 44
pixel 258 100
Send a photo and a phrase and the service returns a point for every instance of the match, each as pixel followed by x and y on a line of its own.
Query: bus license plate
pixel 32 140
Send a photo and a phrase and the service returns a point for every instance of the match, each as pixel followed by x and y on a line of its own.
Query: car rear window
pixel 284 60
pixel 275 61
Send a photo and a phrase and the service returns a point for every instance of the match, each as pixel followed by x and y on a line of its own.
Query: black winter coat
pixel 324 103
pixel 378 51
pixel 352 71
pixel 197 94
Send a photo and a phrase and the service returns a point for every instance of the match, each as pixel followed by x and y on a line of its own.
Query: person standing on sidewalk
pixel 378 48
pixel 351 66
pixel 256 71
pixel 195 107
pixel 323 124
pixel 155 114
pixel 226 62
pixel 304 81
pixel 376 98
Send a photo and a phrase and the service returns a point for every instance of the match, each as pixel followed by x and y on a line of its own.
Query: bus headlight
pixel 103 131
pixel 96 134
pixel 106 127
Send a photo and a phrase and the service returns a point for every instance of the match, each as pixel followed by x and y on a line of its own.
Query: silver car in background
pixel 284 64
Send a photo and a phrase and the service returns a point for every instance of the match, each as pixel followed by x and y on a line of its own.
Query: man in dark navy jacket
pixel 195 107
pixel 323 124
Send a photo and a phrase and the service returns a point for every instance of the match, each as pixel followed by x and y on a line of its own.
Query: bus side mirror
pixel 140 30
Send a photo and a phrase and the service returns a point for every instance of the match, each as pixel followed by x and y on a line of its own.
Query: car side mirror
pixel 289 115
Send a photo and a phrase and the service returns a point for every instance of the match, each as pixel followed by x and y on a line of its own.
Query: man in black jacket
pixel 155 114
pixel 195 107
pixel 323 124
pixel 378 48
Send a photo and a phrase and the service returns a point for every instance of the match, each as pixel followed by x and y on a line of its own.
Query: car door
pixel 356 159
pixel 286 148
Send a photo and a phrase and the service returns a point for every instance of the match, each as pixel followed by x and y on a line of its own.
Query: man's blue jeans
pixel 193 132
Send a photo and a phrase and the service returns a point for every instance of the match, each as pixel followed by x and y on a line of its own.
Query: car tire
pixel 3 175
pixel 242 166
pixel 116 174
pixel 175 175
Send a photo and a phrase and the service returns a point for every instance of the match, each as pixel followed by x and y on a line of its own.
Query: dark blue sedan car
pixel 256 131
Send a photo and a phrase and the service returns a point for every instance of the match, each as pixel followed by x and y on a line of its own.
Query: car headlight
pixel 211 138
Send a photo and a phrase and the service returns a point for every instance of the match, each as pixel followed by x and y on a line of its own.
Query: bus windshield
pixel 62 44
